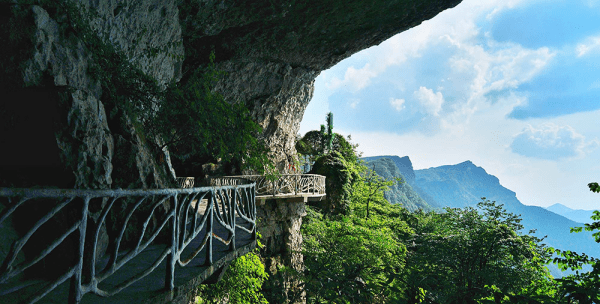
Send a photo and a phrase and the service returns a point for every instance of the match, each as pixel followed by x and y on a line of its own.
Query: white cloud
pixel 354 102
pixel 354 79
pixel 552 142
pixel 476 71
pixel 397 104
pixel 590 44
pixel 431 102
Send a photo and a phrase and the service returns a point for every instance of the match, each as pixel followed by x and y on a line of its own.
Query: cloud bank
pixel 552 142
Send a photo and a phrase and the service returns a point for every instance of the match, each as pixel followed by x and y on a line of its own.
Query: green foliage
pixel 340 175
pixel 328 137
pixel 313 141
pixel 581 287
pixel 242 283
pixel 594 187
pixel 348 260
pixel 367 192
pixel 456 254
pixel 340 166
pixel 199 126
pixel 376 252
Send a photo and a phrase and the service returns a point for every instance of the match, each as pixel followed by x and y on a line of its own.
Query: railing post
pixel 209 228
pixel 253 206
pixel 232 210
pixel 75 293
pixel 173 255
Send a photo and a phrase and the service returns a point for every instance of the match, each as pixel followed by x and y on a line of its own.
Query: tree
pixel 327 143
pixel 241 283
pixel 369 188
pixel 348 260
pixel 466 255
pixel 581 287
pixel 340 175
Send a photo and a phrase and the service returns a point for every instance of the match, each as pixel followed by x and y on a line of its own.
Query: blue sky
pixel 513 86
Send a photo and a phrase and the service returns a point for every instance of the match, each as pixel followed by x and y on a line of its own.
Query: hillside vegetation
pixel 360 248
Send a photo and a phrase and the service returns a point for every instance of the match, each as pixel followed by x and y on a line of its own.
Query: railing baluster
pixel 173 256
pixel 209 228
pixel 76 293
pixel 232 203
pixel 286 184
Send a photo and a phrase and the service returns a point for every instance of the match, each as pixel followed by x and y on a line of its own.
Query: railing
pixel 185 182
pixel 176 223
pixel 284 184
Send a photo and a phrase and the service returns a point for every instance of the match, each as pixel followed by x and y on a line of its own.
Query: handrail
pixel 139 217
pixel 285 184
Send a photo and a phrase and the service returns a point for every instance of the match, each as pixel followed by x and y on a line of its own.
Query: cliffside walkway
pixel 126 246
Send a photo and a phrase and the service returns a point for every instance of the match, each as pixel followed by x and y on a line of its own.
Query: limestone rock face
pixel 277 95
pixel 273 50
pixel 89 139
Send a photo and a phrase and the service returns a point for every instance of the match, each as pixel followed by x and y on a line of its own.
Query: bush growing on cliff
pixel 242 282
pixel 200 127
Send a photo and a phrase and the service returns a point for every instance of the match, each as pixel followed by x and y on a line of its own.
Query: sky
pixel 511 85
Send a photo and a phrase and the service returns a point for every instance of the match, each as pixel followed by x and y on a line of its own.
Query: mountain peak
pixel 467 163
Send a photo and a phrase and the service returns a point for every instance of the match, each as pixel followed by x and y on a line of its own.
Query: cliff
pixel 67 69
pixel 272 51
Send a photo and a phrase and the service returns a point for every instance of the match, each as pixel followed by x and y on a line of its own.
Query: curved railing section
pixel 281 185
pixel 185 182
pixel 109 228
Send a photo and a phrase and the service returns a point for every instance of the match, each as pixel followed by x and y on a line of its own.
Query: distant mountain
pixel 403 164
pixel 464 184
pixel 405 167
pixel 577 215
pixel 400 193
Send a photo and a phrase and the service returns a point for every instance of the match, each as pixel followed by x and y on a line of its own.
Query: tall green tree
pixel 241 283
pixel 348 260
pixel 468 255
pixel 367 192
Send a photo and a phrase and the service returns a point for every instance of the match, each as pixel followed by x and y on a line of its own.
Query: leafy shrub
pixel 242 283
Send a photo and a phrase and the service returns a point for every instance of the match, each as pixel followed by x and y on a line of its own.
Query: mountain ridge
pixel 405 167
pixel 577 215
pixel 465 184
pixel 399 193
